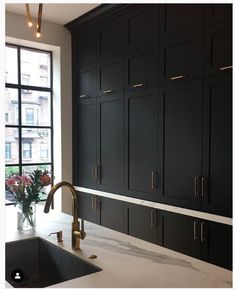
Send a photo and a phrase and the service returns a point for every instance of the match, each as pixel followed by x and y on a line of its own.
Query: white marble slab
pixel 183 211
pixel 126 261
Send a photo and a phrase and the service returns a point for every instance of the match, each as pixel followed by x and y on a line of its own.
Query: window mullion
pixel 19 110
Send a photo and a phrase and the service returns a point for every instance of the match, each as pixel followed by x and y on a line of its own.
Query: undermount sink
pixel 43 263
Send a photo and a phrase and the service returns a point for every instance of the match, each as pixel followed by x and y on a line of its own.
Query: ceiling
pixel 54 12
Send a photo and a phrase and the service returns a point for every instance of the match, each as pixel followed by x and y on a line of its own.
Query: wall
pixel 57 38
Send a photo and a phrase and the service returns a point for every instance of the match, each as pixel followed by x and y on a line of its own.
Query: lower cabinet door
pixel 88 207
pixel 141 222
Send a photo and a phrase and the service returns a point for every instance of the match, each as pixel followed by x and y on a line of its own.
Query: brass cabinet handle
pixel 177 77
pixel 153 180
pixel 151 218
pixel 95 203
pixel 92 202
pixel 196 179
pixel 204 186
pixel 137 85
pixel 108 91
pixel 202 232
pixel 83 96
pixel 226 67
pixel 96 172
pixel 195 237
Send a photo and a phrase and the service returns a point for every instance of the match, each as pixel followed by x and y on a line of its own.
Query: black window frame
pixel 21 87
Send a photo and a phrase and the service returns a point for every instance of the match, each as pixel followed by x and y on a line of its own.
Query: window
pixel 8 150
pixel 28 111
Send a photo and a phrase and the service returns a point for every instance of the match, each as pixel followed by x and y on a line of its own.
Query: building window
pixel 8 150
pixel 28 111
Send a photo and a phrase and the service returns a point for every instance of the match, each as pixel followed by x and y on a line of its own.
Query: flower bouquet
pixel 26 192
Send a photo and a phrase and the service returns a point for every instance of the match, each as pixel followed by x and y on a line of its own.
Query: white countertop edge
pixel 178 210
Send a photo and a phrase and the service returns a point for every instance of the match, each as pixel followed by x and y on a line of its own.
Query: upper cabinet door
pixel 111 37
pixel 218 48
pixel 180 18
pixel 217 175
pixel 143 25
pixel 87 82
pixel 141 69
pixel 86 45
pixel 218 12
pixel 110 76
pixel 181 149
pixel 181 57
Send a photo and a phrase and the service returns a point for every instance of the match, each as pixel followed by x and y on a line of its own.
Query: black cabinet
pixel 110 76
pixel 217 175
pixel 141 69
pixel 218 48
pixel 142 222
pixel 141 145
pixel 110 143
pixel 143 26
pixel 180 153
pixel 87 82
pixel 85 145
pixel 88 207
pixel 180 18
pixel 205 240
pixel 181 57
pixel 218 12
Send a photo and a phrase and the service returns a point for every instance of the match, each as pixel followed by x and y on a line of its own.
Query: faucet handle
pixel 59 236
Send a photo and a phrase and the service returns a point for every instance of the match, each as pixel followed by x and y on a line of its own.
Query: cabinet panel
pixel 143 25
pixel 86 209
pixel 110 143
pixel 181 233
pixel 87 82
pixel 218 12
pixel 218 48
pixel 110 76
pixel 141 117
pixel 86 149
pixel 111 214
pixel 181 137
pixel 217 196
pixel 181 57
pixel 180 18
pixel 141 69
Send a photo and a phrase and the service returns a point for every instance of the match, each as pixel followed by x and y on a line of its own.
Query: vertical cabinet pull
pixel 92 172
pixel 151 218
pixel 204 185
pixel 195 236
pixel 196 180
pixel 202 232
pixel 95 203
pixel 96 172
pixel 153 180
pixel 92 202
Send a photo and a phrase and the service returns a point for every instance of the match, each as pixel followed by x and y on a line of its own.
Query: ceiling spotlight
pixel 29 18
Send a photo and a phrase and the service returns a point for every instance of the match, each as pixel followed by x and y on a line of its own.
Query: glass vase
pixel 26 215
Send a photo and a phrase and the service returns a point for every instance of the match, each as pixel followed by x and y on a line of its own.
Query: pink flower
pixel 10 182
pixel 26 181
pixel 45 180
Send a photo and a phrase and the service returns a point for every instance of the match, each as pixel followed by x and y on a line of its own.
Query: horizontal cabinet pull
pixel 83 96
pixel 177 77
pixel 137 85
pixel 226 67
pixel 108 91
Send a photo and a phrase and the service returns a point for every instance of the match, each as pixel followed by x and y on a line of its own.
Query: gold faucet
pixel 77 234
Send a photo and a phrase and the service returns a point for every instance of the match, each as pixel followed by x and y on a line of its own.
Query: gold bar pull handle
pixel 204 185
pixel 84 96
pixel 226 67
pixel 177 77
pixel 153 180
pixel 195 237
pixel 92 202
pixel 137 85
pixel 196 180
pixel 151 218
pixel 96 172
pixel 202 232
pixel 95 203
pixel 108 91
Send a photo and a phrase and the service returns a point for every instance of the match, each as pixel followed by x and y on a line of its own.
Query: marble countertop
pixel 125 261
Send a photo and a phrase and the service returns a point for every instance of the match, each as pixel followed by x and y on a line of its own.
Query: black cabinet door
pixel 181 57
pixel 217 193
pixel 181 233
pixel 141 69
pixel 110 76
pixel 141 145
pixel 143 25
pixel 180 153
pixel 218 48
pixel 216 241
pixel 111 214
pixel 110 143
pixel 86 46
pixel 218 12
pixel 88 207
pixel 87 82
pixel 86 144
pixel 177 19
pixel 142 222
pixel 111 37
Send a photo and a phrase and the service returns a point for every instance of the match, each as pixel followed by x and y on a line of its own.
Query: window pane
pixel 11 106
pixel 35 108
pixel 11 145
pixel 34 141
pixel 9 172
pixel 11 67
pixel 35 68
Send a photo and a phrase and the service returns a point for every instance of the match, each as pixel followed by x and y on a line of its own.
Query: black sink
pixel 43 263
